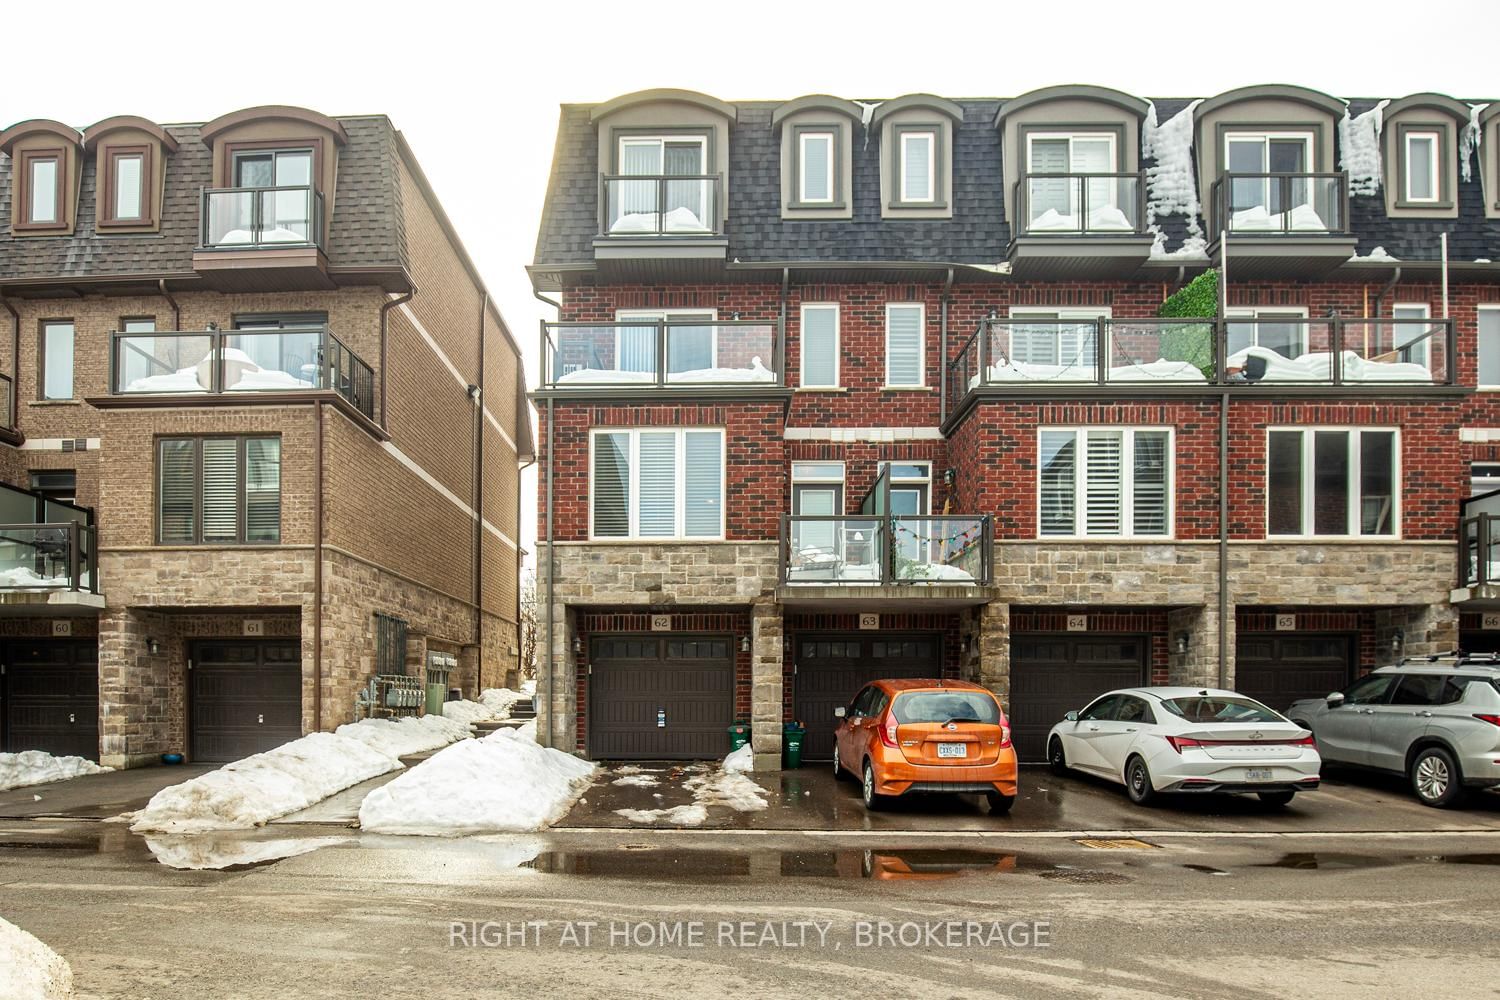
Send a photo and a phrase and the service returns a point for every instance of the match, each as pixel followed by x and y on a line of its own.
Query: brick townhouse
pixel 841 390
pixel 262 432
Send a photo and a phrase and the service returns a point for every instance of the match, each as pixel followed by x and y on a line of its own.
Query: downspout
pixel 318 568
pixel 545 732
pixel 15 362
pixel 1386 290
pixel 386 307
pixel 1219 350
pixel 161 285
pixel 484 306
pixel 943 346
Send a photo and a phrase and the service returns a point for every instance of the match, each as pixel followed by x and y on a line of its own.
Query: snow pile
pixel 29 970
pixel 1379 253
pixel 727 788
pixel 740 760
pixel 1468 141
pixel 526 732
pixel 1171 186
pixel 1359 149
pixel 405 737
pixel 503 782
pixel 467 712
pixel 37 767
pixel 691 815
pixel 637 781
pixel 501 700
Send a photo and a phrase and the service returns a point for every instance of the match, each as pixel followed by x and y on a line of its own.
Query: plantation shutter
pixel 819 346
pixel 176 490
pixel 611 485
pixel 1033 344
pixel 263 490
pixel 1102 512
pixel 703 504
pixel 1150 483
pixel 817 150
pixel 1048 156
pixel 903 345
pixel 916 174
pixel 1058 482
pixel 221 489
pixel 658 484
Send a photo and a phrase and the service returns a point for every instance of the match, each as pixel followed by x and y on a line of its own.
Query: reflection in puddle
pixel 1206 869
pixel 201 852
pixel 1461 859
pixel 713 866
pixel 1325 861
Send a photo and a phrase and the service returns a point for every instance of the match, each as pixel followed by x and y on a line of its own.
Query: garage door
pixel 246 698
pixel 1278 670
pixel 831 668
pixel 1050 675
pixel 661 698
pixel 51 697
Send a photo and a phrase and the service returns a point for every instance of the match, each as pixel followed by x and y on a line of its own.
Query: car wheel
pixel 1435 778
pixel 1057 757
pixel 1138 782
pixel 873 800
pixel 999 804
pixel 1276 798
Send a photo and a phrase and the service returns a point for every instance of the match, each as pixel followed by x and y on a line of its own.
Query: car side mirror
pixel 1071 717
pixel 840 712
pixel 1335 699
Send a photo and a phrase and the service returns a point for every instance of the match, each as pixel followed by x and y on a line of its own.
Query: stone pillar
pixel 989 650
pixel 1199 666
pixel 136 703
pixel 558 725
pixel 466 677
pixel 765 684
pixel 1425 629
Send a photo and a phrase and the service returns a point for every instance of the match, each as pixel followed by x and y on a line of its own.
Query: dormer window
pixel 916 162
pixel 125 185
pixel 129 172
pixel 42 170
pixel 274 201
pixel 918 165
pixel 815 166
pixel 817 135
pixel 1421 151
pixel 1419 156
pixel 674 194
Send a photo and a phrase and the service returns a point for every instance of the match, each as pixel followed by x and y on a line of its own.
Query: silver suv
pixel 1435 719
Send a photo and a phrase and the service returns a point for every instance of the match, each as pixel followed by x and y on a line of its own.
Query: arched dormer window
pixel 817 139
pixel 916 156
pixel 45 161
pixel 129 172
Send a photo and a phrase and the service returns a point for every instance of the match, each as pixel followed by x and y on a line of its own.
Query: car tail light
pixel 1004 736
pixel 1493 720
pixel 1179 743
pixel 888 731
pixel 1303 741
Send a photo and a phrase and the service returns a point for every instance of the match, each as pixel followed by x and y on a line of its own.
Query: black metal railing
pixel 1080 204
pixel 231 361
pixel 236 218
pixel 7 393
pixel 1281 204
pixel 884 550
pixel 56 555
pixel 1049 353
pixel 653 354
pixel 1479 550
pixel 659 204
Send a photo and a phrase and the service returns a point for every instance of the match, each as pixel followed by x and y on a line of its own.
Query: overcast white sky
pixel 494 78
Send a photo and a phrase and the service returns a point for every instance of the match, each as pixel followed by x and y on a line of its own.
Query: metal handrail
pixel 81 553
pixel 1223 218
pixel 315 209
pixel 1022 201
pixel 1476 536
pixel 661 376
pixel 712 225
pixel 887 543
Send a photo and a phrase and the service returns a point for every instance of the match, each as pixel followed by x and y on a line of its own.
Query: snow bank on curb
pixel 37 767
pixel 741 760
pixel 29 970
pixel 405 737
pixel 502 783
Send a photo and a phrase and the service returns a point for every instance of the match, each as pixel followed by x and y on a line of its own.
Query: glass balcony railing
pixel 240 361
pixel 237 218
pixel 1080 205
pixel 659 205
pixel 45 544
pixel 1281 204
pixel 652 354
pixel 875 550
pixel 1479 550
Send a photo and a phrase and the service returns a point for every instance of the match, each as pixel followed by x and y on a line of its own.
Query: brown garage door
pixel 661 697
pixel 832 667
pixel 1051 675
pixel 1278 670
pixel 51 696
pixel 246 697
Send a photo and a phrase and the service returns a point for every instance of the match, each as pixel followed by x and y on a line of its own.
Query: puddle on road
pixel 1459 859
pixel 210 852
pixel 1308 861
pixel 1206 869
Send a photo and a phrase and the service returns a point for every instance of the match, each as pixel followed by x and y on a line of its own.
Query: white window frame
pixel 1073 189
pixel 1434 161
pixel 805 480
pixel 1479 345
pixel 838 345
pixel 1078 313
pixel 1265 137
pixel 628 316
pixel 1309 486
pixel 921 307
pixel 119 187
pixel 1424 349
pixel 1127 480
pixel 633 512
pixel 661 161
pixel 58 204
pixel 802 138
pixel 931 135
pixel 1256 312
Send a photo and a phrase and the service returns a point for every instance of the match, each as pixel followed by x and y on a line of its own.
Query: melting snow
pixel 1379 253
pixel 500 700
pixel 1359 147
pixel 742 759
pixel 37 767
pixel 637 781
pixel 29 970
pixel 1468 141
pixel 210 853
pixel 1171 186
pixel 692 815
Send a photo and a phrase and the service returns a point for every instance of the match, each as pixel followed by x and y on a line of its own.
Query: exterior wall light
pixel 1182 642
pixel 744 644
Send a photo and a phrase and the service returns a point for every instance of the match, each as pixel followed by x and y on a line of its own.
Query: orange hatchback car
pixel 904 736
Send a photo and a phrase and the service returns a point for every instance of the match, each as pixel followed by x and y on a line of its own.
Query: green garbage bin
pixel 791 742
pixel 739 735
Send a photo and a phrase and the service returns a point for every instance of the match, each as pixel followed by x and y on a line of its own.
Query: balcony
pixel 48 556
pixel 1174 356
pixel 262 238
pixel 241 363
pixel 1079 225
pixel 1478 584
pixel 660 226
pixel 1282 224
pixel 930 560
pixel 673 357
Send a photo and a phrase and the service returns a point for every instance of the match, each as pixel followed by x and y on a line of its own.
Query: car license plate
pixel 1257 775
pixel 953 750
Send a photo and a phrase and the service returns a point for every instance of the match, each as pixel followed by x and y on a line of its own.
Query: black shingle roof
pixel 365 228
pixel 978 232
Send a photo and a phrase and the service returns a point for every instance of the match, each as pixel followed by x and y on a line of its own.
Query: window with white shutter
pixel 820 344
pixel 1104 482
pixel 657 484
pixel 219 490
pixel 905 325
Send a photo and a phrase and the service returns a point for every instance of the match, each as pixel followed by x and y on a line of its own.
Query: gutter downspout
pixel 484 306
pixel 943 345
pixel 386 307
pixel 15 362
pixel 1386 290
pixel 545 732
pixel 318 568
pixel 1223 466
pixel 161 285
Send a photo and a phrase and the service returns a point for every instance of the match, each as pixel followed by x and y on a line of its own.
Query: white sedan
pixel 1176 739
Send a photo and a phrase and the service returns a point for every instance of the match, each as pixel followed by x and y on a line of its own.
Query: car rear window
pixel 1213 708
pixel 946 706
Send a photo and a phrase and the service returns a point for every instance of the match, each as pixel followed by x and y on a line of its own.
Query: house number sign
pixel 869 621
pixel 661 623
pixel 1490 623
pixel 1286 623
pixel 63 627
pixel 254 626
pixel 1078 623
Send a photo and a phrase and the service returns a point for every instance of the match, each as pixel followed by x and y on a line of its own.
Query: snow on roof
pixel 1171 188
pixel 1468 141
pixel 1359 145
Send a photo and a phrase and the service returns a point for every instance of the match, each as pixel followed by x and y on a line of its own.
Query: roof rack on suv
pixel 1457 658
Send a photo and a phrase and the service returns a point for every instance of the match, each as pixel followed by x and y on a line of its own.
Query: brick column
pixel 765 684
